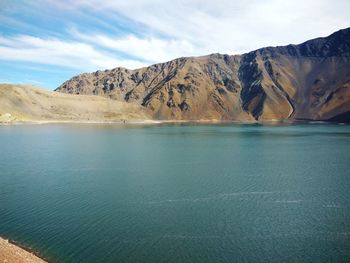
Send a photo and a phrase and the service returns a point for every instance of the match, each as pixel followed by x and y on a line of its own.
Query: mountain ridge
pixel 310 81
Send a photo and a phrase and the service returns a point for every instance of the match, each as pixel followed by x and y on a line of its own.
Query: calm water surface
pixel 177 193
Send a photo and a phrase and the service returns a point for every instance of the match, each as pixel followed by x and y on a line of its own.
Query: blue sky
pixel 47 42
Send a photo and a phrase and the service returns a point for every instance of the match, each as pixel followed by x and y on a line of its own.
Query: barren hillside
pixel 307 81
pixel 28 103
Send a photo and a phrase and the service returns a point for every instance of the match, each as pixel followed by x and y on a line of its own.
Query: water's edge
pixel 28 249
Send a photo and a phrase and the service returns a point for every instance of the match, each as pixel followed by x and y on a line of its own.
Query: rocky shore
pixel 11 253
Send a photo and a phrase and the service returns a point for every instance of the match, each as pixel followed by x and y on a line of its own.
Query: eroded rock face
pixel 306 81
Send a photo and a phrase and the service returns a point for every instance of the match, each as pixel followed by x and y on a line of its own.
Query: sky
pixel 47 42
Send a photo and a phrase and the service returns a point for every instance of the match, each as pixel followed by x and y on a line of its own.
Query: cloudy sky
pixel 47 42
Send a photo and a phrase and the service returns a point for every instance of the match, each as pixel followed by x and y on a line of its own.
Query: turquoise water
pixel 177 193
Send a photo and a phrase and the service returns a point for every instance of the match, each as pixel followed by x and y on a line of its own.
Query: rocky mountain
pixel 309 81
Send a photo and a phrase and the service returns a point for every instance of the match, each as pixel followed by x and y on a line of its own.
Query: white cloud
pixel 32 81
pixel 148 49
pixel 169 29
pixel 54 51
pixel 228 26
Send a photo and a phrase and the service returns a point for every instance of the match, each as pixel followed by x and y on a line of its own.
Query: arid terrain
pixel 31 104
pixel 310 81
pixel 10 253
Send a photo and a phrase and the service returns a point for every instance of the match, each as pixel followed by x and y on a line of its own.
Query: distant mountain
pixel 310 81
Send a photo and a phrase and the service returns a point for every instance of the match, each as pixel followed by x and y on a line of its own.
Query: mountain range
pixel 309 81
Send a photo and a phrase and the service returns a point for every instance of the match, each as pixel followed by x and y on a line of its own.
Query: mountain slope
pixel 307 81
pixel 27 103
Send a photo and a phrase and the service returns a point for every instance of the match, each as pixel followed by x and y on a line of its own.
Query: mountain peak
pixel 306 81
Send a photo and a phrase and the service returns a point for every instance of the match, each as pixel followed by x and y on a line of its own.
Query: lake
pixel 177 193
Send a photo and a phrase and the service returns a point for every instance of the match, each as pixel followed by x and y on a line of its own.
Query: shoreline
pixel 38 122
pixel 13 251
pixel 155 122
